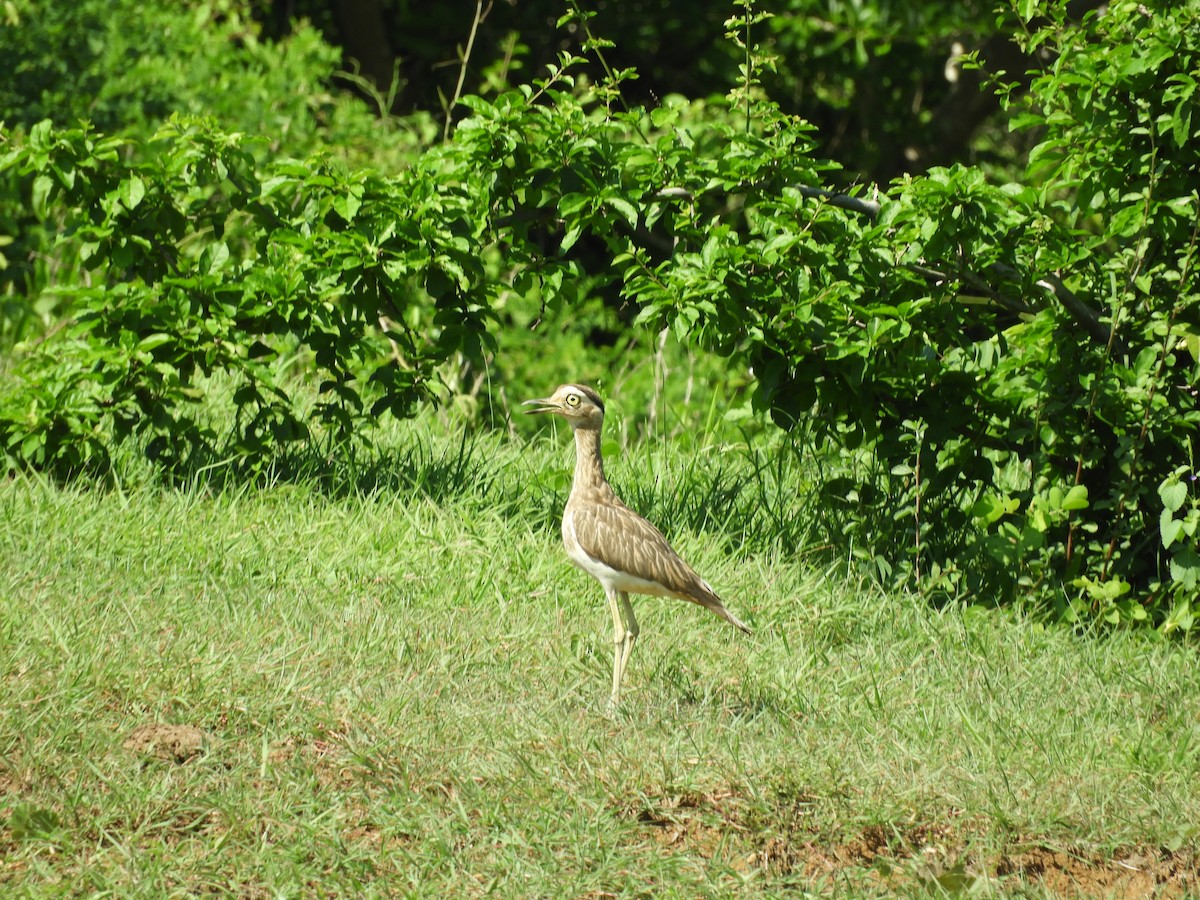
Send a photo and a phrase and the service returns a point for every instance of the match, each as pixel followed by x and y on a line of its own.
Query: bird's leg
pixel 631 630
pixel 619 633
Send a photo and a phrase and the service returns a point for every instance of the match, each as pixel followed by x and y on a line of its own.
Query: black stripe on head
pixel 591 395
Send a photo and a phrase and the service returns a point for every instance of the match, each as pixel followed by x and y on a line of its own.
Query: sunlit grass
pixel 396 683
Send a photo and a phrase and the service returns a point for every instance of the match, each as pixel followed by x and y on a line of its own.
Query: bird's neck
pixel 589 467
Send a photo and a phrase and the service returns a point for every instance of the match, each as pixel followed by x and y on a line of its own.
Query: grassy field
pixel 313 690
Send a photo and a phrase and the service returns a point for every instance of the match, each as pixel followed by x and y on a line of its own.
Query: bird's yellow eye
pixel 572 399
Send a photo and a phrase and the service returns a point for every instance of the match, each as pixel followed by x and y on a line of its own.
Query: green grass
pixel 401 691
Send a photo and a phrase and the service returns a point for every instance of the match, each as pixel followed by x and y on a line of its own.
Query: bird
pixel 611 542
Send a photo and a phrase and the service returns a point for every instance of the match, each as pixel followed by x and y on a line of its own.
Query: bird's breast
pixel 575 552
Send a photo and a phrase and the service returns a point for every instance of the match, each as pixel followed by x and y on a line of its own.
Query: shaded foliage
pixel 880 79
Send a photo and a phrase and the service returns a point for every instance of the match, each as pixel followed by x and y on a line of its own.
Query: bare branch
pixel 1080 311
pixel 674 193
pixel 868 208
pixel 974 282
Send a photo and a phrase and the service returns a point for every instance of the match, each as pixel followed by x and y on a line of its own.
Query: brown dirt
pixel 907 855
pixel 8 783
pixel 173 743
pixel 1132 874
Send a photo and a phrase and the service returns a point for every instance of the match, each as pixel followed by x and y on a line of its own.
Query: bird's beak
pixel 541 406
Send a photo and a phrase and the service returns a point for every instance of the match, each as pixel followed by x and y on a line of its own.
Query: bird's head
pixel 577 403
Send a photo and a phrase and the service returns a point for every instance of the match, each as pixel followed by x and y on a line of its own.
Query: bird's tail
pixel 713 602
pixel 732 619
pixel 703 594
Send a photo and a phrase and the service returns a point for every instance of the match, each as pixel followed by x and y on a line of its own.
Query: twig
pixel 1070 301
pixel 972 281
pixel 917 506
pixel 480 15
pixel 592 44
pixel 746 72
pixel 384 103
pixel 868 208
pixel 1080 311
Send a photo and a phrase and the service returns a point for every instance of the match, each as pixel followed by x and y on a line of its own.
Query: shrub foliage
pixel 1012 368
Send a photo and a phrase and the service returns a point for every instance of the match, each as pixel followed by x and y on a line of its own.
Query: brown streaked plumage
pixel 611 542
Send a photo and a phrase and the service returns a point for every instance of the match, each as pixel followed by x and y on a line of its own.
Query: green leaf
pixel 39 134
pixel 32 444
pixel 1076 498
pixel 1172 493
pixel 1169 528
pixel 30 822
pixel 213 258
pixel 1180 618
pixel 573 234
pixel 572 204
pixel 626 209
pixel 40 195
pixel 1182 127
pixel 347 205
pixel 131 192
pixel 1127 222
pixel 150 341
pixel 662 116
pixel 1105 590
pixel 1036 521
pixel 1185 569
pixel 989 509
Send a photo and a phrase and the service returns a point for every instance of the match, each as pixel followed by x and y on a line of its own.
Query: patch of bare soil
pixel 905 855
pixel 8 783
pixel 1144 873
pixel 172 743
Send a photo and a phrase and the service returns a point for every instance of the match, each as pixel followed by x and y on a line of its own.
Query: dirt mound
pixel 173 743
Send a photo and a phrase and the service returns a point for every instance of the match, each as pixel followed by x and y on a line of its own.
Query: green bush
pixel 199 260
pixel 1016 364
pixel 1020 361
pixel 125 67
pixel 1007 373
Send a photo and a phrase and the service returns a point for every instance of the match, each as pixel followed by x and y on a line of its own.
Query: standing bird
pixel 611 542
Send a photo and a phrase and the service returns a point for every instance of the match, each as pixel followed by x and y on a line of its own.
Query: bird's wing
pixel 612 533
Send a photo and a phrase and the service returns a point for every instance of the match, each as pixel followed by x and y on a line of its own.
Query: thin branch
pixel 868 208
pixel 384 103
pixel 1080 311
pixel 480 15
pixel 1084 314
pixel 1011 304
pixel 746 72
pixel 1139 444
pixel 675 193
pixel 974 282
pixel 593 45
